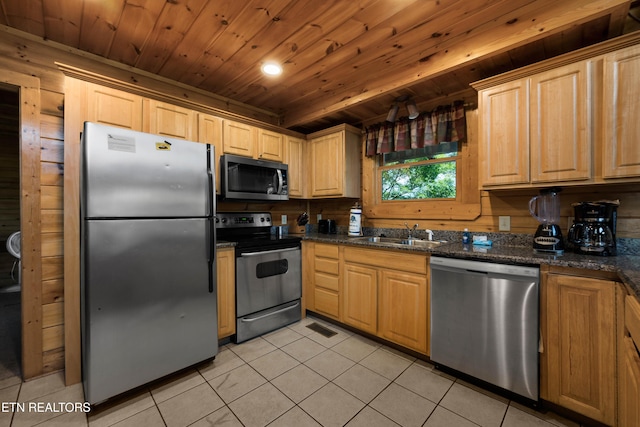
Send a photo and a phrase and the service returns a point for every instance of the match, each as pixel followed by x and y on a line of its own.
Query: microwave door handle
pixel 280 181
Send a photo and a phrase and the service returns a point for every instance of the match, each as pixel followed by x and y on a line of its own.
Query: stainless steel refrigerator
pixel 148 272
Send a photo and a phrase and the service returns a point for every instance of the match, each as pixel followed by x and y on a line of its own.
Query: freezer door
pixel 133 174
pixel 149 309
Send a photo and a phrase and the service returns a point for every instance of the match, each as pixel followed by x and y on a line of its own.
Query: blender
pixel 546 209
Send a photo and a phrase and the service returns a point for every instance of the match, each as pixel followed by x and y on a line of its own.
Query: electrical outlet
pixel 283 219
pixel 319 217
pixel 504 223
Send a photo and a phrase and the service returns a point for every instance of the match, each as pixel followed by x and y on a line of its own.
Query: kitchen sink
pixel 400 242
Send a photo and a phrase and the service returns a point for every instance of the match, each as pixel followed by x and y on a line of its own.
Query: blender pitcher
pixel 546 209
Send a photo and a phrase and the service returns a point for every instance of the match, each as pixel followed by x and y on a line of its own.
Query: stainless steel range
pixel 268 273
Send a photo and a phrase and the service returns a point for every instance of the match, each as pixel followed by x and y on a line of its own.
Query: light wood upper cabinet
pixel 270 145
pixel 621 156
pixel 170 120
pixel 239 138
pixel 296 160
pixel 113 107
pixel 335 165
pixel 226 275
pixel 210 132
pixel 537 129
pixel 581 345
pixel 560 133
pixel 504 134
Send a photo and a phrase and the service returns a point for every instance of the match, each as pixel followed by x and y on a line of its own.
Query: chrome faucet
pixel 411 230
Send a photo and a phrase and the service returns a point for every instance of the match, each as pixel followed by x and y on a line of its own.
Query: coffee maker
pixel 593 231
pixel 546 209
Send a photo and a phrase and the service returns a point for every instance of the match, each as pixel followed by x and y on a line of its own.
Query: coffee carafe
pixel 593 231
pixel 546 209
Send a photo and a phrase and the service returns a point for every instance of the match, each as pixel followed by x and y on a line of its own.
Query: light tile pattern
pixel 289 378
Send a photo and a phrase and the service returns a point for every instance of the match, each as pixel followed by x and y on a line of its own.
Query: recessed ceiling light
pixel 271 68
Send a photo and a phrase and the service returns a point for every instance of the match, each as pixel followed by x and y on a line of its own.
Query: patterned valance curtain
pixel 444 124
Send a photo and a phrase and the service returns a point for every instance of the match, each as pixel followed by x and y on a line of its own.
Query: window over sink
pixel 420 174
pixel 434 182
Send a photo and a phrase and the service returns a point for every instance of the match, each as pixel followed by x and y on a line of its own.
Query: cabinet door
pixel 226 274
pixel 270 145
pixel 171 121
pixel 327 165
pixel 581 345
pixel 504 136
pixel 238 138
pixel 360 297
pixel 629 387
pixel 621 125
pixel 403 309
pixel 560 124
pixel 113 107
pixel 210 132
pixel 296 161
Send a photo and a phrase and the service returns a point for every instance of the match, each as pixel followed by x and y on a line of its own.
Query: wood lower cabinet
pixel 385 293
pixel 226 276
pixel 629 365
pixel 402 309
pixel 360 297
pixel 325 298
pixel 580 345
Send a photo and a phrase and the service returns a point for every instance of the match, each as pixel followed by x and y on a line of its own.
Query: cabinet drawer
pixel 632 318
pixel 326 302
pixel 326 251
pixel 327 265
pixel 411 263
pixel 326 281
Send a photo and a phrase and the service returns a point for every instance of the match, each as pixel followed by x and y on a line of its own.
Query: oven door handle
pixel 253 319
pixel 275 251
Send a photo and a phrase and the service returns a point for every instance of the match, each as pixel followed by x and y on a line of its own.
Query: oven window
pixel 272 268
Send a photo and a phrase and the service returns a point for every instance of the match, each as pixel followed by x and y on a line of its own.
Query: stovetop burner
pixel 251 231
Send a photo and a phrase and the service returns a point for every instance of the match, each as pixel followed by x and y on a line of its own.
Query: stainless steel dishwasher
pixel 484 322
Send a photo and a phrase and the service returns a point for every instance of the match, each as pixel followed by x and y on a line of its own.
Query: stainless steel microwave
pixel 242 178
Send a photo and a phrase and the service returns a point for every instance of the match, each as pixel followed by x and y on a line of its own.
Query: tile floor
pixel 292 377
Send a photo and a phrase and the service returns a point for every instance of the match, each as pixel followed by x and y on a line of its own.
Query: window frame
pixel 466 206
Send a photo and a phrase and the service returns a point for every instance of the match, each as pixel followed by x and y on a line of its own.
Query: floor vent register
pixel 321 330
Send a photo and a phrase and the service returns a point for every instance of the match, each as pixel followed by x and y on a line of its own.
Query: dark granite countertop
pixel 626 266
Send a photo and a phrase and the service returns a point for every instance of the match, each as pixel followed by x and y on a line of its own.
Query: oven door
pixel 266 279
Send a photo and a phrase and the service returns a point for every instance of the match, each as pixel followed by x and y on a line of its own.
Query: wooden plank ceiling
pixel 345 61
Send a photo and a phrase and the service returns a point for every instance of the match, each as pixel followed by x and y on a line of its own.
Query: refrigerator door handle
pixel 211 195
